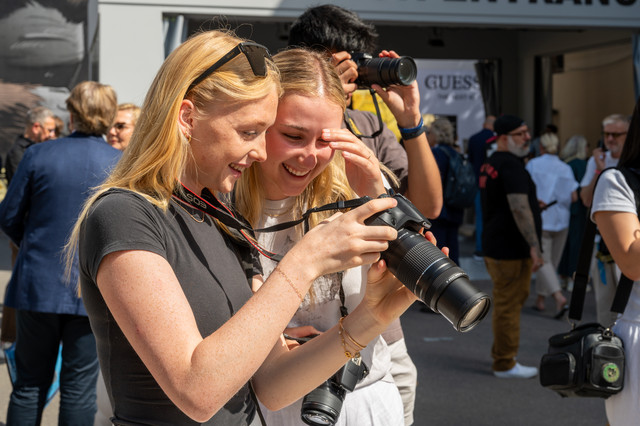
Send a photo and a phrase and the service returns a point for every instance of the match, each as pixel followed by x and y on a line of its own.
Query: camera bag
pixel 588 360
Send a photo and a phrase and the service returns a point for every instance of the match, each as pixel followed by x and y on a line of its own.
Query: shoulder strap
pixel 446 152
pixel 581 276
pixel 451 158
pixel 254 397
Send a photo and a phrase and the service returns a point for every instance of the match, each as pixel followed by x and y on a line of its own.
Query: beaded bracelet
pixel 413 132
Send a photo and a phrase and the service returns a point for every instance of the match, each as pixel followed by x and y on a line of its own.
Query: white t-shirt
pixel 376 400
pixel 554 181
pixel 613 194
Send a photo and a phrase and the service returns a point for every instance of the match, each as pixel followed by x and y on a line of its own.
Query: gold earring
pixel 188 137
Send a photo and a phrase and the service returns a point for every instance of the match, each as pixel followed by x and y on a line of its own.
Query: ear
pixel 35 127
pixel 186 117
pixel 502 141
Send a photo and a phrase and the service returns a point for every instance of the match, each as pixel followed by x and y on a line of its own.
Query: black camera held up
pixel 426 271
pixel 384 71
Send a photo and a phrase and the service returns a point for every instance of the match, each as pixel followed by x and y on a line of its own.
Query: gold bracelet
pixel 286 278
pixel 342 332
pixel 344 344
pixel 351 339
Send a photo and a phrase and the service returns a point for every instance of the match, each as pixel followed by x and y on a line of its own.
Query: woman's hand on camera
pixel 432 239
pixel 361 164
pixel 386 297
pixel 343 241
pixel 403 101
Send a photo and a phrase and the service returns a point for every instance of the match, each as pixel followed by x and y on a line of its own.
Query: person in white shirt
pixel 556 190
pixel 614 211
pixel 603 271
pixel 312 161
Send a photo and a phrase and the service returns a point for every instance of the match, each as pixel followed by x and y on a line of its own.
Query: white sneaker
pixel 517 372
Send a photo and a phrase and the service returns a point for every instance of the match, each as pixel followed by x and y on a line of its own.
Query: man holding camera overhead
pixel 510 240
pixel 342 33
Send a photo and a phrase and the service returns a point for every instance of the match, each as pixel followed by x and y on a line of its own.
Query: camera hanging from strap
pixel 581 275
pixel 589 360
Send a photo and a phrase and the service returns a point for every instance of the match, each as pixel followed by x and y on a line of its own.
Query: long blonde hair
pixel 157 154
pixel 306 73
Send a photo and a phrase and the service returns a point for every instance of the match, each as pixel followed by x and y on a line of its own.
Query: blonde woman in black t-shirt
pixel 179 334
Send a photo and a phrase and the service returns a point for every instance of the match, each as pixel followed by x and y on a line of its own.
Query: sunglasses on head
pixel 255 53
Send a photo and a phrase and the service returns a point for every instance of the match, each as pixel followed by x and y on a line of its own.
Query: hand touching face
pixel 296 150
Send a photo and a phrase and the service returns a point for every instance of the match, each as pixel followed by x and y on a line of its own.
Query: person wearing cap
pixel 511 239
pixel 556 190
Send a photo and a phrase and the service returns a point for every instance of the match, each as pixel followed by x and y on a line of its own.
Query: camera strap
pixel 351 125
pixel 581 275
pixel 210 205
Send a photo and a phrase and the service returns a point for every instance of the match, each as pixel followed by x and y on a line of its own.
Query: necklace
pixel 276 214
pixel 197 219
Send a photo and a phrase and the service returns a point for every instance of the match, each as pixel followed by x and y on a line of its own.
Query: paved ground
pixel 455 383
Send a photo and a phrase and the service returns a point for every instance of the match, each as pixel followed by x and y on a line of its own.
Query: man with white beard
pixel 510 239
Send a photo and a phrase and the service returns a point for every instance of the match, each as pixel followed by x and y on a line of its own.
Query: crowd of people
pixel 155 227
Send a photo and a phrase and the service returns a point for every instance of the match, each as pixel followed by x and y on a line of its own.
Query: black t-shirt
pixel 205 261
pixel 503 174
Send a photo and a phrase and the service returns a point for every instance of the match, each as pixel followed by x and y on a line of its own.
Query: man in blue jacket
pixel 42 203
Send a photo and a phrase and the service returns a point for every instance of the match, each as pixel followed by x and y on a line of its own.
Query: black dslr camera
pixel 322 405
pixel 384 71
pixel 426 271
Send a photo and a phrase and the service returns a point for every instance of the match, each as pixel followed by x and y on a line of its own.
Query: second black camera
pixel 384 71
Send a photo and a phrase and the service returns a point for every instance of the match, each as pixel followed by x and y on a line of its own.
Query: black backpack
pixel 460 184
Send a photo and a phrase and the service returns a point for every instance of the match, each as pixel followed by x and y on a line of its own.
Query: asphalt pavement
pixel 456 386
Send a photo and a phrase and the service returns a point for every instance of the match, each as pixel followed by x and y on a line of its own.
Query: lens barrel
pixel 322 405
pixel 386 71
pixel 436 280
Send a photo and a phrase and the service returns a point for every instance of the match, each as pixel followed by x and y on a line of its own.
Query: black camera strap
pixel 581 275
pixel 351 125
pixel 210 205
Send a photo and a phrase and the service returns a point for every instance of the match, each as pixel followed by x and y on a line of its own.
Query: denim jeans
pixel 39 336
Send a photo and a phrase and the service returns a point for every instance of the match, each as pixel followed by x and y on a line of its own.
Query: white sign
pixel 515 13
pixel 450 88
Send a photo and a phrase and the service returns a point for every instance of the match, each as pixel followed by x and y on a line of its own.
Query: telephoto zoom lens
pixel 436 280
pixel 387 71
pixel 426 271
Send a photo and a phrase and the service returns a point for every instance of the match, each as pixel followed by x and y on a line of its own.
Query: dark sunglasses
pixel 255 53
